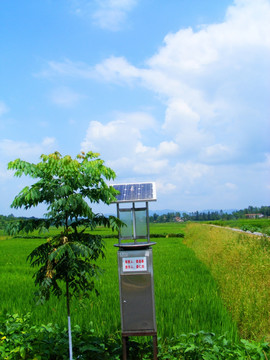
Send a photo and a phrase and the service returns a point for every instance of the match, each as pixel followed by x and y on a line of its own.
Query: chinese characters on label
pixel 134 264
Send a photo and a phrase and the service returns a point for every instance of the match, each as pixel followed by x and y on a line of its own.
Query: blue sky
pixel 175 92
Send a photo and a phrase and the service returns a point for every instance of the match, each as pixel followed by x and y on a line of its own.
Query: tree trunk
pixel 69 323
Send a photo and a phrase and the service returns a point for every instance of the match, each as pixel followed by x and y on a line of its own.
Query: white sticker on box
pixel 134 264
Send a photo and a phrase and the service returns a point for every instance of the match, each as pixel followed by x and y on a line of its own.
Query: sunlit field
pixel 186 295
pixel 240 263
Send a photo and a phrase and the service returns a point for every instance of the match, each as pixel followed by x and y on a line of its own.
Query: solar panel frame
pixel 135 192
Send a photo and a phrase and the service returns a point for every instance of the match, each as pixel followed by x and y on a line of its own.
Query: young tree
pixel 67 186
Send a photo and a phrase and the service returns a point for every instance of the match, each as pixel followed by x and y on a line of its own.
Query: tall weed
pixel 240 263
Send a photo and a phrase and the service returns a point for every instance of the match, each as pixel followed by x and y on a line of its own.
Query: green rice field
pixel 212 280
pixel 186 295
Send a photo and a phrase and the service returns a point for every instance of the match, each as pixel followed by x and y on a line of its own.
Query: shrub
pixel 20 340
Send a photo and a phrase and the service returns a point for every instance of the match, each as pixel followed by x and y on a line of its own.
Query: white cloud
pixel 185 51
pixel 3 108
pixel 118 138
pixel 211 80
pixel 48 142
pixel 149 166
pixel 106 14
pixel 65 97
pixel 245 26
pixel 190 172
pixel 11 149
pixel 168 148
pixel 4 174
pixel 217 153
pixel 165 187
pixel 186 54
pixel 117 69
pixel 231 186
pixel 67 68
pixel 165 149
pixel 120 143
pixel 182 124
pixel 112 14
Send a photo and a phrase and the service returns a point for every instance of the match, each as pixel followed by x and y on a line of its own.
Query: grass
pixel 240 264
pixel 187 297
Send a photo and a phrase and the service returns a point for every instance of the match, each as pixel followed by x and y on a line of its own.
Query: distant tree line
pixel 178 216
pixel 209 215
pixel 5 219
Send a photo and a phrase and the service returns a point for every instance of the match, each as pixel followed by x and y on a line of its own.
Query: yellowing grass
pixel 240 263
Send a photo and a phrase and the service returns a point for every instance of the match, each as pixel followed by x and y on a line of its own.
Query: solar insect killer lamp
pixel 135 263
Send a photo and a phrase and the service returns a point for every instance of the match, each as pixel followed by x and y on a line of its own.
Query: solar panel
pixel 136 192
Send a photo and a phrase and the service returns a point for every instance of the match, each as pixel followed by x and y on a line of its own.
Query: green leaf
pixel 66 263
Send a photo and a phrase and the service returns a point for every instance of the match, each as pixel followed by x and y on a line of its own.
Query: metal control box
pixel 135 269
